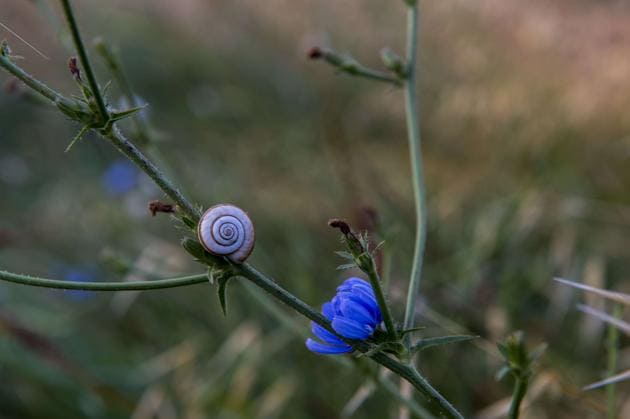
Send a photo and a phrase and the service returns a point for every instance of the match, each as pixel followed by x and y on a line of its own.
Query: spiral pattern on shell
pixel 226 230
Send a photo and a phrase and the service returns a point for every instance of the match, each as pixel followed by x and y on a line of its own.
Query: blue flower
pixel 353 313
pixel 79 275
pixel 120 177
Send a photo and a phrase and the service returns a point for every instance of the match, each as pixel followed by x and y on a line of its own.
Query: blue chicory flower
pixel 75 274
pixel 354 314
pixel 120 177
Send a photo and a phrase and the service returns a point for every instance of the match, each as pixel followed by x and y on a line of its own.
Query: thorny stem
pixel 103 286
pixel 85 62
pixel 407 372
pixel 268 285
pixel 30 81
pixel 132 152
pixel 415 151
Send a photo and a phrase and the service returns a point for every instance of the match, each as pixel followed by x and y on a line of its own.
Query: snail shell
pixel 226 230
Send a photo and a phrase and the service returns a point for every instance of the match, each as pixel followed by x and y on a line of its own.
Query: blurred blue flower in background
pixel 79 275
pixel 120 177
pixel 354 314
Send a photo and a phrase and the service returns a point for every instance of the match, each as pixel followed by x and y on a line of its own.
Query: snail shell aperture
pixel 226 230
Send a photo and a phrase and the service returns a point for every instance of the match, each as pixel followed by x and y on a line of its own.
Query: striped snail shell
pixel 226 230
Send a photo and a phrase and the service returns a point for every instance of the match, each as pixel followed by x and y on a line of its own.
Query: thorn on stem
pixel 157 206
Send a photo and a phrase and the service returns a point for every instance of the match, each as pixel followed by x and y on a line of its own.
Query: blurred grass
pixel 527 146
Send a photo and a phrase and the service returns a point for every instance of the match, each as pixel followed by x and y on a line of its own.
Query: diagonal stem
pixel 134 154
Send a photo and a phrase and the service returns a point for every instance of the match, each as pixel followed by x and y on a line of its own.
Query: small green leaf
pixel 117 116
pixel 344 254
pixel 442 340
pixel 106 88
pixel 189 223
pixel 77 137
pixel 346 266
pixel 503 349
pixel 502 373
pixel 412 330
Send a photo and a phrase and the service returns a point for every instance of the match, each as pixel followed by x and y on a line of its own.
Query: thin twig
pixel 415 151
pixel 103 286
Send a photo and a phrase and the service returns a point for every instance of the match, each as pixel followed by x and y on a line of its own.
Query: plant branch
pixel 132 152
pixel 405 371
pixel 10 67
pixel 347 64
pixel 415 151
pixel 85 61
pixel 103 286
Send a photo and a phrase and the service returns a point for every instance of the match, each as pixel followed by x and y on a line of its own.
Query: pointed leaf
pixel 117 116
pixel 610 380
pixel 105 88
pixel 189 223
pixel 412 330
pixel 346 266
pixel 502 373
pixel 612 295
pixel 222 281
pixel 345 255
pixel 618 323
pixel 442 340
pixel 77 137
pixel 504 350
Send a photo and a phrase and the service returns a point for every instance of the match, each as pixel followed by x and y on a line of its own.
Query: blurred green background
pixel 525 125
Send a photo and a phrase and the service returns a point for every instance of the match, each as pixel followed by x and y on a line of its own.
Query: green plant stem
pixel 415 151
pixel 103 286
pixel 290 323
pixel 85 61
pixel 266 284
pixel 29 80
pixel 371 74
pixel 132 152
pixel 380 298
pixel 405 371
pixel 613 356
pixel 520 388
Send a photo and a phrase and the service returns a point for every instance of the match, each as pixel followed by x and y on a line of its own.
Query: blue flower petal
pixel 351 329
pixel 325 335
pixel 324 349
pixel 328 311
pixel 357 312
pixel 350 284
pixel 366 301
